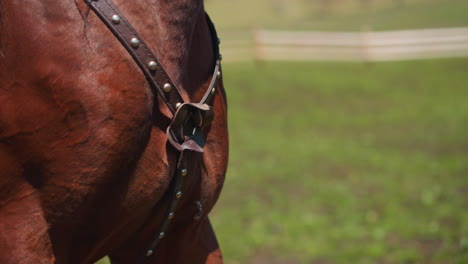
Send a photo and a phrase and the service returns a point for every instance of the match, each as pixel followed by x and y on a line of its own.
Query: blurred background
pixel 349 131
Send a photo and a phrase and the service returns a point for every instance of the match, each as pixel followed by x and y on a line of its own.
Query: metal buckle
pixel 185 131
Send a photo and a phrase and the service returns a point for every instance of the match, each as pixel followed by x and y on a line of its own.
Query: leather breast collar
pixel 185 131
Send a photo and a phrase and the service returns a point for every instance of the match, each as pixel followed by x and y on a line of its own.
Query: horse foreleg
pixel 195 244
pixel 24 237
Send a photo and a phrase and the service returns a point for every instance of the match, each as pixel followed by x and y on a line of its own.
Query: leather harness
pixel 185 130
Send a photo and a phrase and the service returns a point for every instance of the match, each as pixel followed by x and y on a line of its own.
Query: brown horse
pixel 85 164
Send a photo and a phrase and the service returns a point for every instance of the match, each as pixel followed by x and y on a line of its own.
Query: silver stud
pixel 183 172
pixel 152 65
pixel 161 235
pixel 167 87
pixel 213 90
pixel 218 74
pixel 199 213
pixel 149 253
pixel 115 19
pixel 170 216
pixel 178 105
pixel 135 42
pixel 178 194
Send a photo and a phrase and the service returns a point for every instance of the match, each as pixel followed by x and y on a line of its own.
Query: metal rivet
pixel 213 90
pixel 170 216
pixel 218 74
pixel 135 42
pixel 178 105
pixel 152 65
pixel 149 253
pixel 167 87
pixel 220 57
pixel 183 172
pixel 161 235
pixel 115 19
pixel 178 195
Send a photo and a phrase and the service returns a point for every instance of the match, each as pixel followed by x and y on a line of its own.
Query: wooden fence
pixel 345 46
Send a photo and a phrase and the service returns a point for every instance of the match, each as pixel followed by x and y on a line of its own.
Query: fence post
pixel 259 52
pixel 366 45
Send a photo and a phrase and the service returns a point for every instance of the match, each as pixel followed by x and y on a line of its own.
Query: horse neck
pixel 176 31
pixel 182 40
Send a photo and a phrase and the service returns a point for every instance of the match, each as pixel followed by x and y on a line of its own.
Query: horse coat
pixel 85 162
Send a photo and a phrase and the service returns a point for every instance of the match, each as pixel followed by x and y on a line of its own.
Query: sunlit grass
pixel 348 15
pixel 347 163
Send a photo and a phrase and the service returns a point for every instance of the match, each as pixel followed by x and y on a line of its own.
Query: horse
pixel 91 150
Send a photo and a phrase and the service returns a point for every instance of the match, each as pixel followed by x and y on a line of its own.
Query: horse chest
pixel 100 143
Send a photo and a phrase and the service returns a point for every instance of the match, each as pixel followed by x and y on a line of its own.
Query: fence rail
pixel 347 46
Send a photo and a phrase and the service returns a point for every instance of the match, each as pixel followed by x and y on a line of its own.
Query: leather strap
pixel 185 131
pixel 156 75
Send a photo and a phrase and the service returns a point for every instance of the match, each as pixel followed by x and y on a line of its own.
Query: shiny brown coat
pixel 83 152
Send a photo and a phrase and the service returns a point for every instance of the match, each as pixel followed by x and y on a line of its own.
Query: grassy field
pixel 336 15
pixel 346 163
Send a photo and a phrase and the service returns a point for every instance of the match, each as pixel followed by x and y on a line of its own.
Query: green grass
pixel 346 163
pixel 336 15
